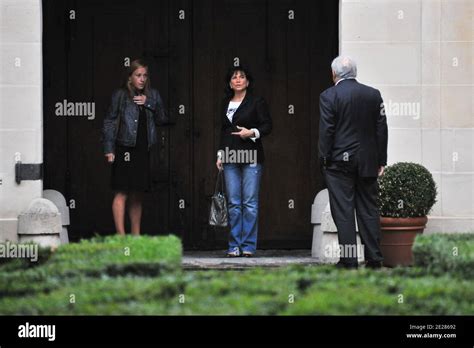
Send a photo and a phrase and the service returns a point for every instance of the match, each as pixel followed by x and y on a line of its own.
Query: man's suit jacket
pixel 252 113
pixel 353 122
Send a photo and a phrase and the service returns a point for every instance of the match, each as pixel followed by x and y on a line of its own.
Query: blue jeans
pixel 242 183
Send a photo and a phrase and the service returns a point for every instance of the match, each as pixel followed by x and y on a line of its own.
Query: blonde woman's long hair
pixel 134 65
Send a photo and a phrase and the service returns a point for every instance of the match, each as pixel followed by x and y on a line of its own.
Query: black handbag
pixel 218 215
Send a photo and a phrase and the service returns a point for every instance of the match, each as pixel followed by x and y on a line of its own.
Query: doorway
pixel 189 45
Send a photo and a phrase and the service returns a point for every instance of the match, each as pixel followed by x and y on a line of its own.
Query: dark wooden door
pixel 189 45
pixel 288 46
pixel 86 48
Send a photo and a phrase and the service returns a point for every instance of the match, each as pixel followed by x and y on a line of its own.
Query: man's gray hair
pixel 344 67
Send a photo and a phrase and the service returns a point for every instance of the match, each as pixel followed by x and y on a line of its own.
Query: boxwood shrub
pixel 406 190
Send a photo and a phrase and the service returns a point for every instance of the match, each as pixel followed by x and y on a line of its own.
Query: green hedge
pixel 367 292
pixel 103 281
pixel 117 255
pixel 92 296
pixel 99 257
pixel 12 264
pixel 441 254
pixel 319 290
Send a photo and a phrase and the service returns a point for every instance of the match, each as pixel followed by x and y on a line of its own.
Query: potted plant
pixel 407 192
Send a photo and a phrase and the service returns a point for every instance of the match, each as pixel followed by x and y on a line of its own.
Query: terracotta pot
pixel 397 237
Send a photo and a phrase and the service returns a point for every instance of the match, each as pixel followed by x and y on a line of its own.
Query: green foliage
pixel 102 281
pixel 105 296
pixel 451 254
pixel 11 264
pixel 100 257
pixel 367 292
pixel 406 190
pixel 118 255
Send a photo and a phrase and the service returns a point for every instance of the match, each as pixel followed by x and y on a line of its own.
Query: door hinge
pixel 28 171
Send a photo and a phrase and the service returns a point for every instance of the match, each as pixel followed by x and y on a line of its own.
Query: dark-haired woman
pixel 245 121
pixel 129 132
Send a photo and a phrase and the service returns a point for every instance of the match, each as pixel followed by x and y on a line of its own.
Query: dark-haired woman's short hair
pixel 228 91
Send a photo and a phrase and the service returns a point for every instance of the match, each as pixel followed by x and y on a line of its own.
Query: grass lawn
pixel 142 276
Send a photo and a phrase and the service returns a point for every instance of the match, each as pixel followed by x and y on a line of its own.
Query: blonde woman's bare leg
pixel 135 211
pixel 118 210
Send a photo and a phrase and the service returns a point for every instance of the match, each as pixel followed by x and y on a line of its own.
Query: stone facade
pixel 419 53
pixel 21 115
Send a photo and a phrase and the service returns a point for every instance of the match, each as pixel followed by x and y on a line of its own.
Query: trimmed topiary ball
pixel 406 190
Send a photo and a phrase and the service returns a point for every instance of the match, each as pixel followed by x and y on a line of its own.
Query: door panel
pixel 280 54
pixel 96 45
pixel 188 57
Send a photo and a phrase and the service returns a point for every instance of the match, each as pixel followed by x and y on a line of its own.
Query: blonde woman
pixel 129 131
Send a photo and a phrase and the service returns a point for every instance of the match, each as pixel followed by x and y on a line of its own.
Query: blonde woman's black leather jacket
pixel 121 120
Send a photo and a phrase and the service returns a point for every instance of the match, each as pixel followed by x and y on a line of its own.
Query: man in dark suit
pixel 353 152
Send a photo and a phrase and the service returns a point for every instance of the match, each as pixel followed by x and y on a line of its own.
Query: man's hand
pixel 139 100
pixel 381 168
pixel 110 157
pixel 244 133
pixel 219 165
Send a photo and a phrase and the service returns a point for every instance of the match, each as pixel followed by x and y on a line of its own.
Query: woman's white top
pixel 232 108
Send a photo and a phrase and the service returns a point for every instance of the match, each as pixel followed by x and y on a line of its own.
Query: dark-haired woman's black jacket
pixel 121 120
pixel 252 113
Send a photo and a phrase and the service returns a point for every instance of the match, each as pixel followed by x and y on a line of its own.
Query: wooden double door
pixel 189 45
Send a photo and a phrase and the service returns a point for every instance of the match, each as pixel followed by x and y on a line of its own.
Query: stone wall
pixel 420 54
pixel 21 114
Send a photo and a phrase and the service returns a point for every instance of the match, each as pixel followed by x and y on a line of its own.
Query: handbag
pixel 218 215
